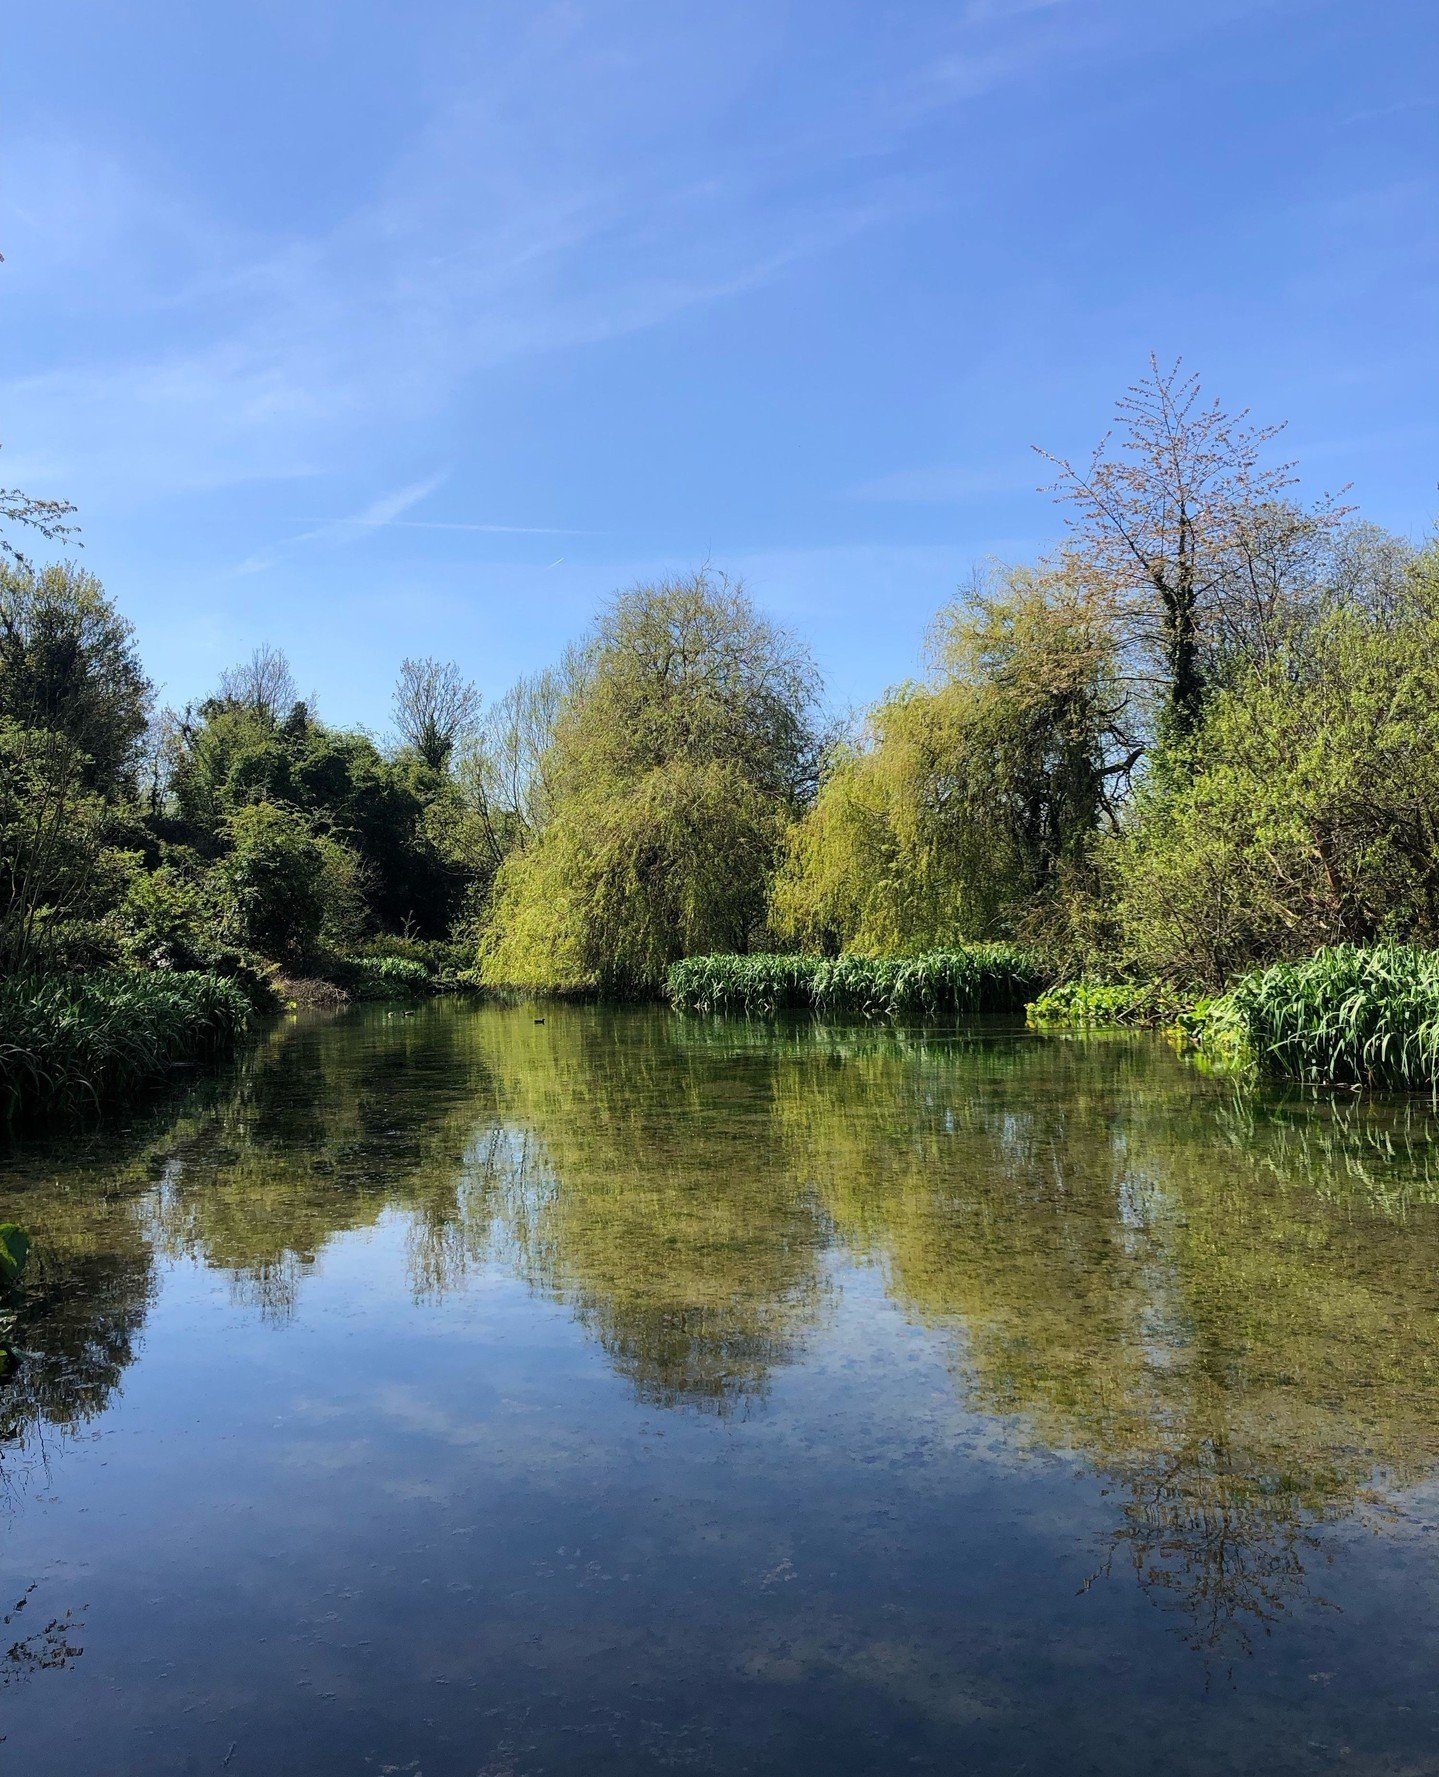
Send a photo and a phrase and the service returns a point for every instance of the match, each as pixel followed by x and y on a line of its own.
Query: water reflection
pixel 1221 1305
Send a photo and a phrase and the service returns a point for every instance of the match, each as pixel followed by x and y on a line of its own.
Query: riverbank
pixel 70 1043
pixel 78 1042
pixel 1350 1015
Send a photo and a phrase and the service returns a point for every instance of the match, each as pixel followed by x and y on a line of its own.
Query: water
pixel 447 1392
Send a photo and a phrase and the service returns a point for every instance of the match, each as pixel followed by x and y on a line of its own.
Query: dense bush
pixel 382 977
pixel 983 978
pixel 1304 812
pixel 284 885
pixel 67 1042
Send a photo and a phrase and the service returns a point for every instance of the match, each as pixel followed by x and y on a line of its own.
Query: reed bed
pixel 941 983
pixel 72 1042
pixel 1348 1016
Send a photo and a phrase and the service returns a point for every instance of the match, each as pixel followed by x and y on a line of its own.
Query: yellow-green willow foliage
pixel 956 814
pixel 679 755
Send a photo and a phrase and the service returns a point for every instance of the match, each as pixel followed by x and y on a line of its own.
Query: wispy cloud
pixel 506 227
pixel 387 512
pixel 388 509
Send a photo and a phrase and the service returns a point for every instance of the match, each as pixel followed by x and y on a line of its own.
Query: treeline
pixel 241 835
pixel 1201 737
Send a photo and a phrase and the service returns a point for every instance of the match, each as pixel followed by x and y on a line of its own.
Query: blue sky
pixel 371 328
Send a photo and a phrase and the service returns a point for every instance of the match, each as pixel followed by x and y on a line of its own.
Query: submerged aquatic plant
pixel 978 978
pixel 68 1041
pixel 14 1251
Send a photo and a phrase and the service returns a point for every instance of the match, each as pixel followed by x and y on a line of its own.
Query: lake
pixel 456 1391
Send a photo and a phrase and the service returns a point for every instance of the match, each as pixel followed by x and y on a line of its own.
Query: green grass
pixel 1348 1016
pixel 980 978
pixel 73 1042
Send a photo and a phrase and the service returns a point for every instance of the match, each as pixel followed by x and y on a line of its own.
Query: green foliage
pixel 1346 1016
pixel 273 879
pixel 168 918
pixel 677 756
pixel 981 978
pixel 623 882
pixel 14 1251
pixel 236 754
pixel 60 870
pixel 1305 812
pixel 759 983
pixel 173 918
pixel 68 667
pixel 971 795
pixel 383 977
pixel 71 1042
pixel 1084 1002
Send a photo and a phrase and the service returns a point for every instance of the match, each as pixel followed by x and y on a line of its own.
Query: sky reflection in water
pixel 447 1392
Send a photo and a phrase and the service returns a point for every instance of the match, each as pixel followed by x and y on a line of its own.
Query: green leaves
pixel 676 760
pixel 944 983
pixel 73 1041
pixel 14 1251
pixel 1349 1015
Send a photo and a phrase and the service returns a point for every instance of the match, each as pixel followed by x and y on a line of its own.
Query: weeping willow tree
pixel 679 755
pixel 956 814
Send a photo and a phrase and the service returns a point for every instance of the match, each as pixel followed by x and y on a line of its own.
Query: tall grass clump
pixel 940 983
pixel 759 983
pixel 1349 1016
pixel 70 1042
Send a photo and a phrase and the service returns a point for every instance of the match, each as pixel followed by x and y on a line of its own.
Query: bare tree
pixel 263 683
pixel 1199 544
pixel 434 705
pixel 502 769
pixel 48 517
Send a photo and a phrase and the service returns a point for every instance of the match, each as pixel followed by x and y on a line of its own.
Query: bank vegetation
pixel 1184 769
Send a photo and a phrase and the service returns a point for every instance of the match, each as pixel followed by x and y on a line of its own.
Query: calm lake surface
pixel 450 1392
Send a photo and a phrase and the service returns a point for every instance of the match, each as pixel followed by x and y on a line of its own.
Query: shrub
pixel 1302 815
pixel 274 879
pixel 383 977
pixel 167 920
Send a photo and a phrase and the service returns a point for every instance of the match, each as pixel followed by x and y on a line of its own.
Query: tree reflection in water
pixel 1221 1304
